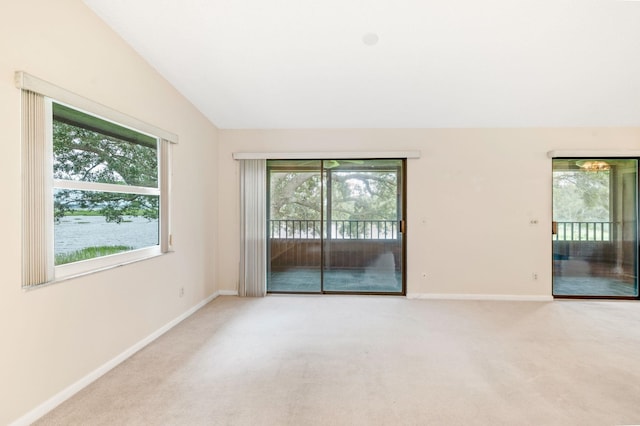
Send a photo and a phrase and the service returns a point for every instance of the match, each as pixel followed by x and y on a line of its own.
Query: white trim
pixel 228 292
pixel 27 81
pixel 104 187
pixel 323 155
pixel 49 224
pixel 586 153
pixel 495 297
pixel 102 263
pixel 76 387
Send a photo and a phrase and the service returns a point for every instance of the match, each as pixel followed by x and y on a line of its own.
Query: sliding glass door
pixel 363 244
pixel 595 228
pixel 295 226
pixel 335 226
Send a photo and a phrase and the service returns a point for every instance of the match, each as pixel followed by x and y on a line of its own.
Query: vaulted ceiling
pixel 393 63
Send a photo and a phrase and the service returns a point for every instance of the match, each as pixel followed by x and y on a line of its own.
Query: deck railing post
pixel 340 229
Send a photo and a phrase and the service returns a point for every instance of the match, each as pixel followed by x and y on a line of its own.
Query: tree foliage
pixel 85 155
pixel 295 195
pixel 356 194
pixel 581 196
pixel 364 195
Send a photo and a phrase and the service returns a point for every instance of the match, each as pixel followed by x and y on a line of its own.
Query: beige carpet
pixel 346 360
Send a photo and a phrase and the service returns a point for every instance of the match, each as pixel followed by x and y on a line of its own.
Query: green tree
pixel 295 194
pixel 364 195
pixel 357 192
pixel 82 154
pixel 581 196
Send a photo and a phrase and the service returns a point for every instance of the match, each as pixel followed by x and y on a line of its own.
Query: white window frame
pixel 52 93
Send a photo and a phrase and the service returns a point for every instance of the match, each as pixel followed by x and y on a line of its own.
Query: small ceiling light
pixel 370 39
pixel 593 165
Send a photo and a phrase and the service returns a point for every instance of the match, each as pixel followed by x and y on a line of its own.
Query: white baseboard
pixel 504 297
pixel 76 387
pixel 228 292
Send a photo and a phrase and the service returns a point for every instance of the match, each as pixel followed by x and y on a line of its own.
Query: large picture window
pixel 95 188
pixel 105 188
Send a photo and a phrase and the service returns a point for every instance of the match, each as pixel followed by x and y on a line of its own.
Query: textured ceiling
pixel 436 63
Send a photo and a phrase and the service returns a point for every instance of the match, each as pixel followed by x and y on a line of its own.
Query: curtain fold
pixel 37 207
pixel 253 219
pixel 166 242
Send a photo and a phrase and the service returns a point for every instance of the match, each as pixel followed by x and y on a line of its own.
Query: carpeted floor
pixel 366 360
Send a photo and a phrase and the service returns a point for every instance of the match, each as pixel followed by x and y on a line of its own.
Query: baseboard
pixel 76 387
pixel 504 297
pixel 228 292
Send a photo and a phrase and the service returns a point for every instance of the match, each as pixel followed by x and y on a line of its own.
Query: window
pixel 95 188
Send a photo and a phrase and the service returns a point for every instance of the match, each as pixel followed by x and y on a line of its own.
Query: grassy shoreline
pixel 89 253
pixel 95 213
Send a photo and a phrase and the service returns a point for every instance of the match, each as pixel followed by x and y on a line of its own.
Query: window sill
pixel 93 266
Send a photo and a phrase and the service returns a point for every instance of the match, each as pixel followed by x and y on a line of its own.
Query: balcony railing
pixel 583 231
pixel 340 229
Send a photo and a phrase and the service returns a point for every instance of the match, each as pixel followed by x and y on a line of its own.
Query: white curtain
pixel 253 233
pixel 166 243
pixel 37 205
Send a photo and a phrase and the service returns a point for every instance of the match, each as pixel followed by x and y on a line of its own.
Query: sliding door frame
pixel 325 216
pixel 636 248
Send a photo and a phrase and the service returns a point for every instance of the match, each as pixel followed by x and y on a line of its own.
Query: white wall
pixel 470 200
pixel 53 336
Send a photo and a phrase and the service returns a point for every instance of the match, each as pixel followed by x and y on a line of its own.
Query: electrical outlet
pixel 181 292
pixel 424 275
pixel 534 276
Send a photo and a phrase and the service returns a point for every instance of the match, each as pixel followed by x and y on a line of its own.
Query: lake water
pixel 77 232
